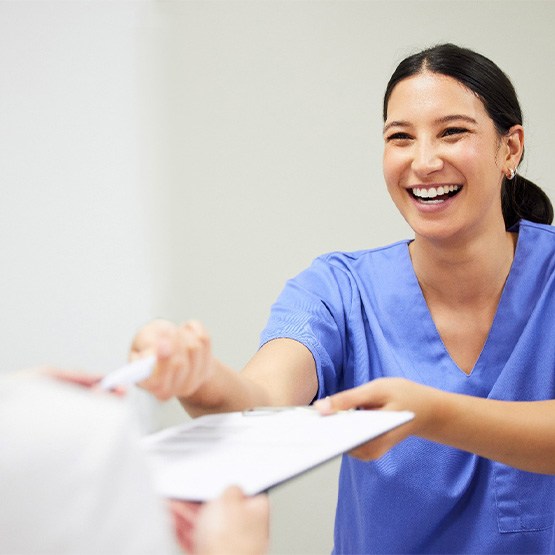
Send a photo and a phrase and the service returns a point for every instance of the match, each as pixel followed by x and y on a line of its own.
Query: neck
pixel 464 273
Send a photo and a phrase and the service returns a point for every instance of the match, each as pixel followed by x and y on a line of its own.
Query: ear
pixel 514 148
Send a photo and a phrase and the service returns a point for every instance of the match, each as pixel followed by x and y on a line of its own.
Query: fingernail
pixel 324 405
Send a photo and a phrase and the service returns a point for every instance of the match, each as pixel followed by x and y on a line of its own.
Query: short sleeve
pixel 312 309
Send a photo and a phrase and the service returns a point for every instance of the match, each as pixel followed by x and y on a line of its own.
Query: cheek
pixel 392 172
pixel 392 166
pixel 467 155
pixel 472 160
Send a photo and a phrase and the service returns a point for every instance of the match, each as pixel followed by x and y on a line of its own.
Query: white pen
pixel 129 374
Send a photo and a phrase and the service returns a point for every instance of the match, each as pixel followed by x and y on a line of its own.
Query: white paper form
pixel 255 450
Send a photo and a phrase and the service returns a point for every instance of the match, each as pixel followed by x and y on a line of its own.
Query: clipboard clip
pixel 265 411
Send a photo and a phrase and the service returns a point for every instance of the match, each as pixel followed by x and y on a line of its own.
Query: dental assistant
pixel 456 324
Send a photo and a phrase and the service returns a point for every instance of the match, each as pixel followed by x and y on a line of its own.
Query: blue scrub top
pixel 363 316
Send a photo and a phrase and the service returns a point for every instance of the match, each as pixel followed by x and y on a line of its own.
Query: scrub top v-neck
pixel 363 316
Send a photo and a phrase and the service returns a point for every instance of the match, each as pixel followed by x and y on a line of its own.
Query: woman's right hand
pixel 183 353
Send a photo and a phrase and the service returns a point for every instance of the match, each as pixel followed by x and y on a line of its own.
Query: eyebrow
pixel 444 119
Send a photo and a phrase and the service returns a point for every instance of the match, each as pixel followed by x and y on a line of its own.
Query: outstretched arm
pixel 282 372
pixel 519 434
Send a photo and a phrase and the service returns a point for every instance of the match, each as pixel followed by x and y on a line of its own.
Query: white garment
pixel 73 479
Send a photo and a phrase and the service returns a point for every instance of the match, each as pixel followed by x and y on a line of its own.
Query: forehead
pixel 433 95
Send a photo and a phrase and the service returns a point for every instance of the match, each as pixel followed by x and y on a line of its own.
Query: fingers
pixel 145 341
pixel 365 396
pixel 257 505
pixel 379 394
pixel 233 494
pixel 185 516
pixel 73 377
pixel 233 524
pixel 80 379
pixel 184 357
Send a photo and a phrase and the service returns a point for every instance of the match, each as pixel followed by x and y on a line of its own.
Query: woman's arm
pixel 282 372
pixel 519 434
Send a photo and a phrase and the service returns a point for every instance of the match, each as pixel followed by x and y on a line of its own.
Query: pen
pixel 129 374
pixel 261 411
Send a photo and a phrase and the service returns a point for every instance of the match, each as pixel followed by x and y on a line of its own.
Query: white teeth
pixel 432 192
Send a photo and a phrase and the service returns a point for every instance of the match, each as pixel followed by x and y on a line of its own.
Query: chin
pixel 436 230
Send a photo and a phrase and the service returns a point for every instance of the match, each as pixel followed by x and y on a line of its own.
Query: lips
pixel 434 195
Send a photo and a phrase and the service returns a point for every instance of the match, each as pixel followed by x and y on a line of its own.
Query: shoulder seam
pixel 356 254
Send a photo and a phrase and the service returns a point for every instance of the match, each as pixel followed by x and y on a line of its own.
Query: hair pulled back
pixel 520 198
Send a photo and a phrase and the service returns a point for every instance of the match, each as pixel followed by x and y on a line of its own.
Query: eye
pixel 399 136
pixel 454 131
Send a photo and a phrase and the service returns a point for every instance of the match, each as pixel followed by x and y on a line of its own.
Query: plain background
pixel 183 159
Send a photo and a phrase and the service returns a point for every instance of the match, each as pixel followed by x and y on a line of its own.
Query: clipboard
pixel 257 449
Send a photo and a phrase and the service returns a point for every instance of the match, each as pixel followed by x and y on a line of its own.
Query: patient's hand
pixel 78 378
pixel 185 516
pixel 233 524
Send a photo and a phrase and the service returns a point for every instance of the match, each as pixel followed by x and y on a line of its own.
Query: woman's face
pixel 443 158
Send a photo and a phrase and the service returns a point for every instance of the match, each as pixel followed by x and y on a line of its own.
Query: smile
pixel 434 195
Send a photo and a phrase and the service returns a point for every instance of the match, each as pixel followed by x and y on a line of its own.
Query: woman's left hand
pixel 387 394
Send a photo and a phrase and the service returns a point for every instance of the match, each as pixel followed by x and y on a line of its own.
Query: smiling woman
pixel 480 77
pixel 450 324
pixel 438 134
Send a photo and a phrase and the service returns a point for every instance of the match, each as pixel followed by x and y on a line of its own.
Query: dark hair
pixel 520 198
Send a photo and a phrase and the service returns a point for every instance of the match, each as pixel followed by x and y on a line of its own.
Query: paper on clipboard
pixel 256 451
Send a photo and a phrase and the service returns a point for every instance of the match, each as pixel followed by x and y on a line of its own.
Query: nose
pixel 426 159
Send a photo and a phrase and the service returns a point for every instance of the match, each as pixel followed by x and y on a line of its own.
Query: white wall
pixel 184 159
pixel 76 277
